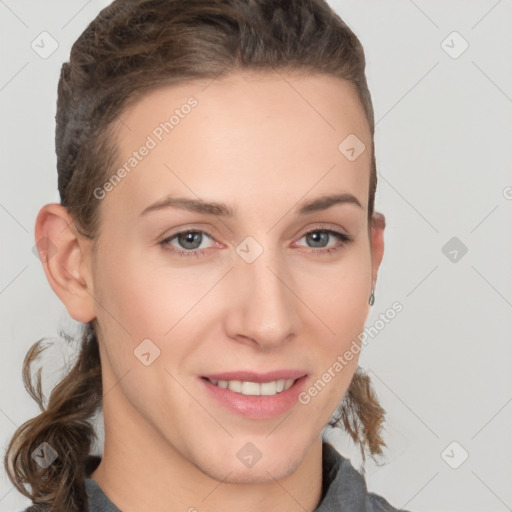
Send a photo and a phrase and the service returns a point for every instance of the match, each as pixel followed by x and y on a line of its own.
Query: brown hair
pixel 132 47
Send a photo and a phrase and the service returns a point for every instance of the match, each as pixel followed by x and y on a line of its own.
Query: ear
pixel 377 244
pixel 65 255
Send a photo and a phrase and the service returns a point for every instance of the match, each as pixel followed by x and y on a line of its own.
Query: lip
pixel 253 406
pixel 257 377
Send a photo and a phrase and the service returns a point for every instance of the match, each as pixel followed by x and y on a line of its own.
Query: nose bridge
pixel 264 309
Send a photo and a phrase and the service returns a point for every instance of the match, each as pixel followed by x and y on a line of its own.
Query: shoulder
pixel 345 487
pixel 376 503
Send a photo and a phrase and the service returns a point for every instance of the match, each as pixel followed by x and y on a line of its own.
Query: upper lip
pixel 247 376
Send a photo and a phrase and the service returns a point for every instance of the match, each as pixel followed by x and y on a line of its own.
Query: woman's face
pixel 246 292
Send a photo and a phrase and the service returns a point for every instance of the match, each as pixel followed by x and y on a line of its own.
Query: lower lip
pixel 253 406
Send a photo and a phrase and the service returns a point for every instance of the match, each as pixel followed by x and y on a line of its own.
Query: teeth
pixel 255 388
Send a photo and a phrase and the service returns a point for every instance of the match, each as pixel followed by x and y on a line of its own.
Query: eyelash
pixel 342 238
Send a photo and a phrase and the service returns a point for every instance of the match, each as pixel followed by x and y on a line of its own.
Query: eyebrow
pixel 223 210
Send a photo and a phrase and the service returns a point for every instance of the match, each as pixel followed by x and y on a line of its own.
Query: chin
pixel 255 475
pixel 260 472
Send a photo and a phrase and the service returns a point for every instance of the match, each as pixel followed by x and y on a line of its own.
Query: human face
pixel 252 292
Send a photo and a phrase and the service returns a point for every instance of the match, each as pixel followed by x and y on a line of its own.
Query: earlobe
pixel 377 244
pixel 65 256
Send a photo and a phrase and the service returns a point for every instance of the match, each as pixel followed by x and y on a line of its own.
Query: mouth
pixel 249 388
pixel 256 396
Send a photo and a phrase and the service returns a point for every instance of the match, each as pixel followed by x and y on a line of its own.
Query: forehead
pixel 245 132
pixel 324 101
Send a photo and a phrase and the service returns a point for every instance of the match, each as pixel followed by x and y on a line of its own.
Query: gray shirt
pixel 343 488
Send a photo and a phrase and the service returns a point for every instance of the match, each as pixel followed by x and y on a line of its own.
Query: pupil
pixel 317 236
pixel 190 238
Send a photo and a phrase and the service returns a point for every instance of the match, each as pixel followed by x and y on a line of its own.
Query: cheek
pixel 340 296
pixel 337 348
pixel 129 309
pixel 145 300
pixel 341 303
pixel 137 305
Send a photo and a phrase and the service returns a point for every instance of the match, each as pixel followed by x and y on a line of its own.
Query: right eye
pixel 190 243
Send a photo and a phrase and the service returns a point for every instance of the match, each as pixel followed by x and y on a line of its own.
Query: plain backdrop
pixel 440 74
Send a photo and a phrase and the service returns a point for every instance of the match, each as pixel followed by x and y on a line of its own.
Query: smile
pixel 255 388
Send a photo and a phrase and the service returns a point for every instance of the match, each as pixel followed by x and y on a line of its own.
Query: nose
pixel 262 303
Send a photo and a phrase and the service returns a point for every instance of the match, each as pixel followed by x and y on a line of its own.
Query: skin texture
pixel 168 445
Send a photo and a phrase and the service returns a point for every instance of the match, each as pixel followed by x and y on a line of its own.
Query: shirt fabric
pixel 343 488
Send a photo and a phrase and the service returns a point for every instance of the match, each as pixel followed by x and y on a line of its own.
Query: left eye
pixel 321 236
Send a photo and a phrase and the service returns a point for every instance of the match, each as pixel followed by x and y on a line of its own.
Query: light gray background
pixel 444 154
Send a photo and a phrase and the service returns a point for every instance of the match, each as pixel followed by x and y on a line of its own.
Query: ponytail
pixel 56 471
pixel 361 415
